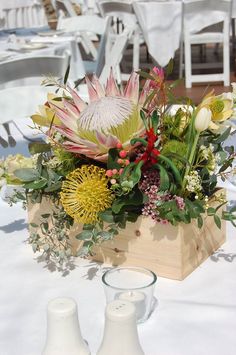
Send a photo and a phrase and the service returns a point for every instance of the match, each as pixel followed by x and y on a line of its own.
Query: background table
pixel 51 45
pixel 161 26
pixel 196 316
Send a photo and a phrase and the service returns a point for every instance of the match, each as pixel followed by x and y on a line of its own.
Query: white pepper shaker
pixel 120 334
pixel 63 330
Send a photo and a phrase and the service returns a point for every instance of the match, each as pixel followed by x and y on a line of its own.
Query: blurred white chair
pixel 19 102
pixel 16 70
pixel 66 7
pixel 123 11
pixel 114 56
pixel 22 13
pixel 82 27
pixel 90 7
pixel 203 14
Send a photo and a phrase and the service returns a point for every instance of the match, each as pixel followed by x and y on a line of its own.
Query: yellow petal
pixel 228 104
pixel 213 126
pixel 39 120
pixel 51 99
pixel 222 116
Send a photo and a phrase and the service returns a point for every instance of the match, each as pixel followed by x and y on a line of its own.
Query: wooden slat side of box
pixel 199 244
pixel 146 244
pixel 172 252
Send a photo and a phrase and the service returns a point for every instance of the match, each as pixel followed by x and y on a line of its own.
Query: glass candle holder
pixel 132 284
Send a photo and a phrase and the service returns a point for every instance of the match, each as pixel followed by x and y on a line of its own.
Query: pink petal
pixel 67 132
pixel 111 141
pixel 93 95
pixel 101 137
pixel 102 157
pixel 145 91
pixel 108 141
pixel 99 88
pixel 80 149
pixel 132 88
pixel 77 100
pixel 71 108
pixel 65 118
pixel 111 87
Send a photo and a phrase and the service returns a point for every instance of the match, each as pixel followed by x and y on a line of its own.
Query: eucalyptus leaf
pixel 27 174
pixel 89 227
pixel 223 136
pixel 45 215
pixel 34 225
pixel 134 198
pixel 35 185
pixel 199 221
pixel 106 235
pixel 84 235
pixel 107 216
pixel 53 187
pixel 217 221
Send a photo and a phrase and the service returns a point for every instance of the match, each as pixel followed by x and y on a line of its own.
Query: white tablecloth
pixel 50 45
pixel 196 316
pixel 161 26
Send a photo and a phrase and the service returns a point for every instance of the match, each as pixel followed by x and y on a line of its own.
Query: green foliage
pixel 42 178
pixel 177 151
pixel 51 237
pixel 192 210
pixel 172 167
pixel 112 159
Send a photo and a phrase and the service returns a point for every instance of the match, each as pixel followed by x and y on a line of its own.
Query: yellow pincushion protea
pixel 85 193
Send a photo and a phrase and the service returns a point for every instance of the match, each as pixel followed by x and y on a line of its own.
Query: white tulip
pixel 203 119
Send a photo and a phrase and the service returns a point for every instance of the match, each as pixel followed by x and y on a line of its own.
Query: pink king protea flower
pixel 111 117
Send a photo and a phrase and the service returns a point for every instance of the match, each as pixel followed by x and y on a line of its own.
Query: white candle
pixel 138 299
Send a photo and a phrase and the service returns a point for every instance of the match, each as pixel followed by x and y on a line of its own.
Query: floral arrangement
pixel 124 154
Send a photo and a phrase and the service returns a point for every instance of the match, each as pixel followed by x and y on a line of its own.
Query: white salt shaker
pixel 63 330
pixel 120 334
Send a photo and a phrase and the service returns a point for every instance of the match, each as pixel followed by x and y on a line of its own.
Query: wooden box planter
pixel 169 251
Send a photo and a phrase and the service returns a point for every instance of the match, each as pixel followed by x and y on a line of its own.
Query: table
pixel 50 45
pixel 161 26
pixel 196 316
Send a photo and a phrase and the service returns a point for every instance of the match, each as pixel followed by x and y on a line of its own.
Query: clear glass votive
pixel 134 284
